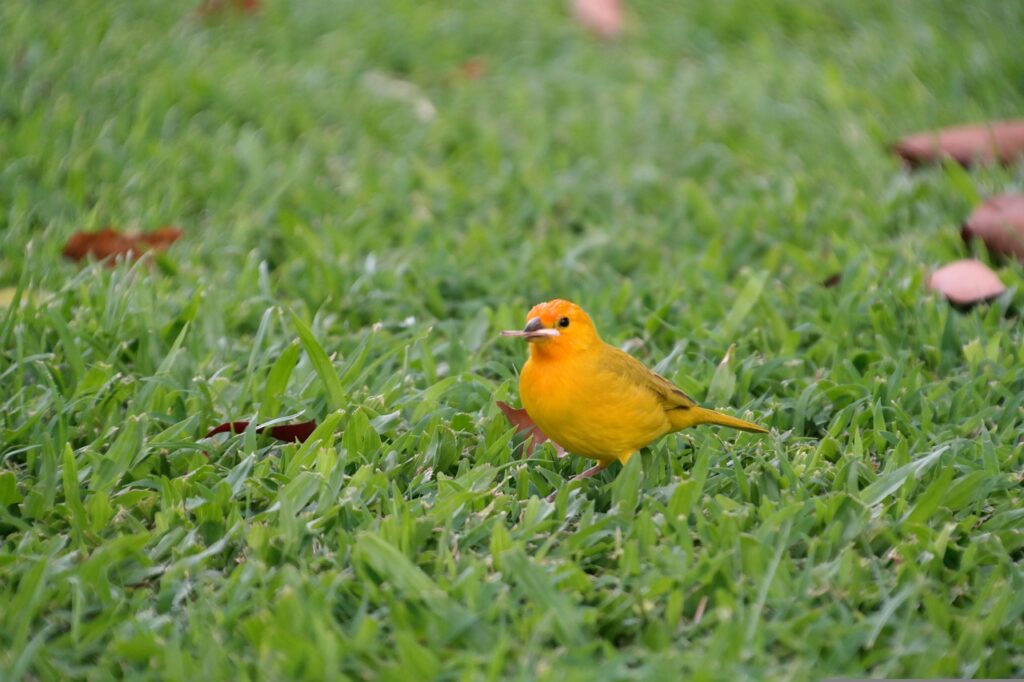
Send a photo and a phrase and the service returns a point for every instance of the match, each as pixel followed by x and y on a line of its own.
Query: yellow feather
pixel 595 400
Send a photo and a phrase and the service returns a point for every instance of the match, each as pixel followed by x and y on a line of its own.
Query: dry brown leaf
pixel 473 69
pixel 999 222
pixel 208 9
pixel 1001 141
pixel 603 18
pixel 292 433
pixel 109 243
pixel 966 282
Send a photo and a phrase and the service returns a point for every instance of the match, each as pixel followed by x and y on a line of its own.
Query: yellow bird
pixel 595 400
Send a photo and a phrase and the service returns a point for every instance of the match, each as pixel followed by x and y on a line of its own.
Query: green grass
pixel 361 222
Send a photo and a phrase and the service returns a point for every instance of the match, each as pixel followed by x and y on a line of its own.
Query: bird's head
pixel 557 328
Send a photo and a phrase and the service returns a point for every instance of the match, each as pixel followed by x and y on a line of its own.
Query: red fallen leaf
pixel 999 222
pixel 161 237
pixel 832 280
pixel 212 8
pixel 292 433
pixel 473 69
pixel 109 243
pixel 1001 141
pixel 603 18
pixel 525 426
pixel 966 282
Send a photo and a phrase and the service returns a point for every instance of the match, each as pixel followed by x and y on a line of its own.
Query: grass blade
pixel 321 363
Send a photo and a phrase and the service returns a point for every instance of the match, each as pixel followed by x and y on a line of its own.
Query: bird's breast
pixel 588 411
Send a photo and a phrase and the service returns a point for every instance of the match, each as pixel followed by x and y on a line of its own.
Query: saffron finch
pixel 595 400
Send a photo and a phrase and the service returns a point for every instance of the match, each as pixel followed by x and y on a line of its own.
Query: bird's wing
pixel 626 366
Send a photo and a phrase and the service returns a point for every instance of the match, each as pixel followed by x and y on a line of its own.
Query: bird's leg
pixel 596 469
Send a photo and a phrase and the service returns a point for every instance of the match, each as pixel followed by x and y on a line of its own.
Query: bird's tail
pixel 701 415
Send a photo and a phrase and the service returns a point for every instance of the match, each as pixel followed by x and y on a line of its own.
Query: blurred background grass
pixel 690 184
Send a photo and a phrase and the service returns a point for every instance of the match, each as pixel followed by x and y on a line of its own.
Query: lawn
pixel 369 193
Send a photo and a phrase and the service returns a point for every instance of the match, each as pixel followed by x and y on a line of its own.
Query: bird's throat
pixel 558 350
pixel 545 351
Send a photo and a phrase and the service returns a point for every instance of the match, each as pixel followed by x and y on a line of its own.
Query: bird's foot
pixel 592 471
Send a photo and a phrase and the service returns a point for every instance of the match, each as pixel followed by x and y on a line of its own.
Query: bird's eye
pixel 564 322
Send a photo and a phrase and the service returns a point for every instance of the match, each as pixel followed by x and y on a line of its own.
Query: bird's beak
pixel 534 329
